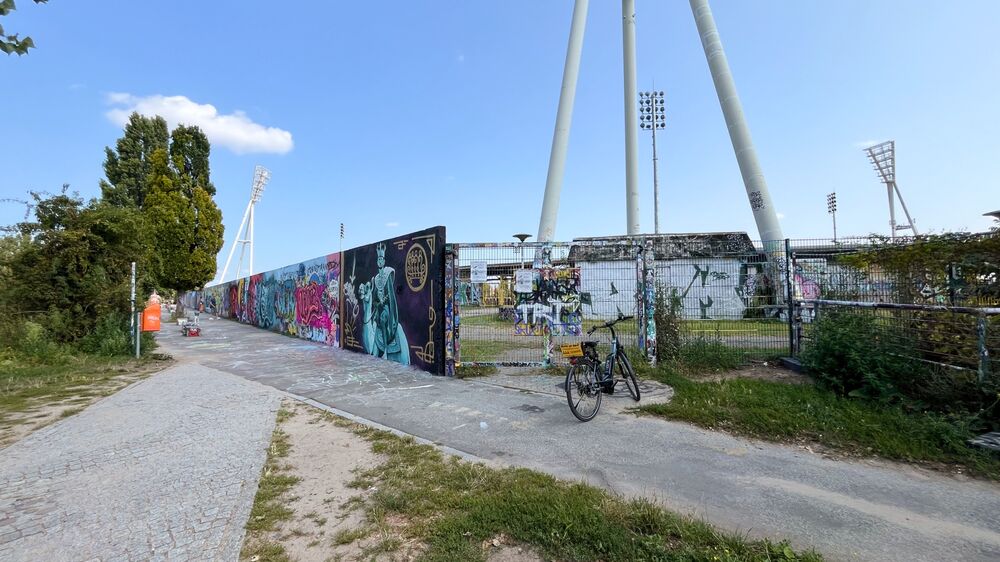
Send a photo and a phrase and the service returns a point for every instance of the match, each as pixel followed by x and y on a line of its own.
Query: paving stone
pixel 130 477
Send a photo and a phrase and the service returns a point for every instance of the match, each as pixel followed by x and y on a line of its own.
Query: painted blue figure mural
pixel 382 334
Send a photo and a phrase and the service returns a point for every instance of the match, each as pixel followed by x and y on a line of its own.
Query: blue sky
pixel 395 116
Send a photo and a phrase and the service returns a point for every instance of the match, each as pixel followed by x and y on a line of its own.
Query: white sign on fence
pixel 478 269
pixel 524 280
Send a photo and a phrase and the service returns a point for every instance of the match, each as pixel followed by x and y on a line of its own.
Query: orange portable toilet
pixel 151 318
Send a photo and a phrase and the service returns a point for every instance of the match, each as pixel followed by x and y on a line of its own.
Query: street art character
pixel 382 334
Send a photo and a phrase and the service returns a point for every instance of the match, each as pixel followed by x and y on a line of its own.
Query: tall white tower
pixel 244 236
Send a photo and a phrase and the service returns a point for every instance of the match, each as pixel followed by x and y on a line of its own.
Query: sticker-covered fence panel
pixel 394 299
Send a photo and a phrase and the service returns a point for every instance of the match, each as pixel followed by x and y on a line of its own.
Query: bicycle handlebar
pixel 609 323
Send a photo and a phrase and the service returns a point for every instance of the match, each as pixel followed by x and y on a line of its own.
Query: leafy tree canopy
pixel 13 44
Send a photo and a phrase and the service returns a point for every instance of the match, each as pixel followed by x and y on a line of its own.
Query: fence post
pixel 451 317
pixel 649 299
pixel 984 354
pixel 790 296
pixel 546 262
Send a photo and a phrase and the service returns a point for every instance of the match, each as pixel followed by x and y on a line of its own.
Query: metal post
pixel 892 212
pixel 790 296
pixel 984 355
pixel 739 133
pixel 564 118
pixel 250 227
pixel 834 227
pixel 656 187
pixel 631 124
pixel 131 319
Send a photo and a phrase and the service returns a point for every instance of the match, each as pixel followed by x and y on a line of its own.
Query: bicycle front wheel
pixel 583 391
pixel 626 372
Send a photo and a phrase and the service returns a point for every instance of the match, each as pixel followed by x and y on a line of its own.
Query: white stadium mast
pixel 244 238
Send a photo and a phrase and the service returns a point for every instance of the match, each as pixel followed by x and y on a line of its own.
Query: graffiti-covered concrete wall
pixel 394 299
pixel 301 300
pixel 385 299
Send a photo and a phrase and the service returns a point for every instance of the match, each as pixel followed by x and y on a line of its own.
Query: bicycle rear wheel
pixel 583 391
pixel 626 372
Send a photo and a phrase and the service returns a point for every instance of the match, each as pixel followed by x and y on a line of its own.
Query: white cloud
pixel 235 131
pixel 781 216
pixel 460 58
pixel 391 224
pixel 77 86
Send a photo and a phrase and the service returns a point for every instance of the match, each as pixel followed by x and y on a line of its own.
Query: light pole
pixel 883 159
pixel 522 238
pixel 261 176
pixel 653 116
pixel 831 207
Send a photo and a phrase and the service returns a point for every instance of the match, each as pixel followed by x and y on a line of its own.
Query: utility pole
pixel 652 116
pixel 564 118
pixel 631 132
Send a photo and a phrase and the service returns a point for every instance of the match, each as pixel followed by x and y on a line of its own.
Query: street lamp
pixel 831 207
pixel 653 116
pixel 522 237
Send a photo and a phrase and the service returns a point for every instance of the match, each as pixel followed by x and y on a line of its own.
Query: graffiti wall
pixel 552 306
pixel 393 304
pixel 300 300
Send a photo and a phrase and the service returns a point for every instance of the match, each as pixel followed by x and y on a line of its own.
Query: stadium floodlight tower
pixel 244 238
pixel 883 159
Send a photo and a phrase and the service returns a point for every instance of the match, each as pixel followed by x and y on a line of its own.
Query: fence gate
pixel 514 303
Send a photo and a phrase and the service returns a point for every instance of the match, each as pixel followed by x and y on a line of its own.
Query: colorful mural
pixel 301 300
pixel 394 299
pixel 553 305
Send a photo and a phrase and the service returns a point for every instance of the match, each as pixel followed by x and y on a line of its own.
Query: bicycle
pixel 588 378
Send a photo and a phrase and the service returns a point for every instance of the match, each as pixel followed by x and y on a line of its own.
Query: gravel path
pixel 166 468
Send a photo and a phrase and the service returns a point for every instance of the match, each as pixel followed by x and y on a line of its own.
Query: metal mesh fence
pixel 512 312
pixel 724 293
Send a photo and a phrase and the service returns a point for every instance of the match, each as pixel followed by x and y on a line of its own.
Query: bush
pixel 667 314
pixel 110 336
pixel 849 355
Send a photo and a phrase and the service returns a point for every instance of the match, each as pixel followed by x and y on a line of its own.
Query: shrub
pixel 667 314
pixel 848 353
pixel 110 336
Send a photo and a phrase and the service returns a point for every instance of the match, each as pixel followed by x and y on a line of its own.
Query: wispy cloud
pixel 235 130
pixel 391 224
pixel 460 58
pixel 781 216
pixel 77 86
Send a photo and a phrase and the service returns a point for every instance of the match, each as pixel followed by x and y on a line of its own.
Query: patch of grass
pixel 469 371
pixel 269 504
pixel 802 413
pixel 347 536
pixel 494 350
pixel 452 506
pixel 70 412
pixel 27 382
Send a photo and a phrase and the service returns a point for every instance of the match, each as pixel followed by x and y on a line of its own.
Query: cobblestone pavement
pixel 848 510
pixel 165 469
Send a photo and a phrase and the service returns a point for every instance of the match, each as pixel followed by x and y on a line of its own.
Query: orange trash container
pixel 151 318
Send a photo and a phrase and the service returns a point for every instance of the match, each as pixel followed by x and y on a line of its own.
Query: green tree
pixel 167 177
pixel 128 166
pixel 13 43
pixel 71 265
